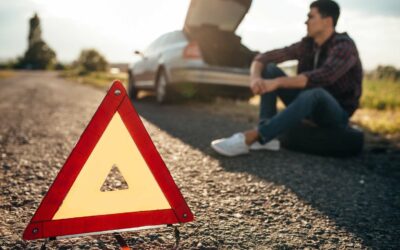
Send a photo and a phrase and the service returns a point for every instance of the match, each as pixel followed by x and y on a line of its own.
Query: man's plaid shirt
pixel 334 66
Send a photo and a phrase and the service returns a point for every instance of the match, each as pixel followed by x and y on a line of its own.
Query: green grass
pixel 380 107
pixel 96 79
pixel 380 95
pixel 386 122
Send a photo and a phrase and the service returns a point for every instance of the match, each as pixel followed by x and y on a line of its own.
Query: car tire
pixel 132 90
pixel 162 89
pixel 338 142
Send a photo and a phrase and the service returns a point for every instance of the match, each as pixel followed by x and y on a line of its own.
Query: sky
pixel 119 27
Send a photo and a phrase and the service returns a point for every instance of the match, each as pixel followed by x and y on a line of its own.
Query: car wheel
pixel 162 89
pixel 132 90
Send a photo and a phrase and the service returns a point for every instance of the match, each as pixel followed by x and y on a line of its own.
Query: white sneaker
pixel 232 146
pixel 273 145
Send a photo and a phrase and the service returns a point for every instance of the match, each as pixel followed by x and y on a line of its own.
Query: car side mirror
pixel 139 53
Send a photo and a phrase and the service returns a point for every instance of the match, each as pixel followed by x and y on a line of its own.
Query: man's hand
pixel 255 85
pixel 269 85
pixel 260 86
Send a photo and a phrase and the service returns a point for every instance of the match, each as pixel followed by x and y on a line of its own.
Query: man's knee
pixel 314 93
pixel 271 71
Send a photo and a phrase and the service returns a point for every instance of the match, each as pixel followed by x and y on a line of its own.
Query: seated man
pixel 326 90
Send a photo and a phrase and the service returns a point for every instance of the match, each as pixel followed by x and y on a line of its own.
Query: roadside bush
pixel 380 94
pixel 90 60
pixel 10 64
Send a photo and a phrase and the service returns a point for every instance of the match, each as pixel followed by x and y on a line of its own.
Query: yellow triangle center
pixel 115 147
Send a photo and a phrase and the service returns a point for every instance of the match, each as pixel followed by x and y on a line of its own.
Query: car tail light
pixel 192 51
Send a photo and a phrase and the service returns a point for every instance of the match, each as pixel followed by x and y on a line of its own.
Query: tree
pixel 388 72
pixel 91 60
pixel 39 55
pixel 35 32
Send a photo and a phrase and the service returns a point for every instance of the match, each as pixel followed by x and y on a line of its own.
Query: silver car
pixel 206 52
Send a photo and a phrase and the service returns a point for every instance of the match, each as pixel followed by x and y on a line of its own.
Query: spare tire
pixel 338 142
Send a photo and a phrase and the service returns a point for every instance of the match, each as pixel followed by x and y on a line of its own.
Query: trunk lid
pixel 224 15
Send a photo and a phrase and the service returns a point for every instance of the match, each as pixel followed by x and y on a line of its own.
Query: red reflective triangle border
pixel 42 225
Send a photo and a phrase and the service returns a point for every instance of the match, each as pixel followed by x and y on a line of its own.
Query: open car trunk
pixel 212 24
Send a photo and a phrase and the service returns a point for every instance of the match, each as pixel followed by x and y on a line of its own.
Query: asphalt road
pixel 266 200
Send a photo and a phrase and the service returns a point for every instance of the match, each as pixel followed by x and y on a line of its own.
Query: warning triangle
pixel 114 179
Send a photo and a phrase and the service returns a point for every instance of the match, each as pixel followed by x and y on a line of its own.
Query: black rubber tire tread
pixel 170 95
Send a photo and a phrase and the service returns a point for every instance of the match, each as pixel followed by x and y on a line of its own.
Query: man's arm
pixel 280 55
pixel 256 69
pixel 296 82
pixel 255 76
pixel 274 56
pixel 342 57
pixel 269 85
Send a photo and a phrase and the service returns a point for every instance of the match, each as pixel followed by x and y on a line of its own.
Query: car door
pixel 151 63
pixel 144 70
pixel 154 58
pixel 140 69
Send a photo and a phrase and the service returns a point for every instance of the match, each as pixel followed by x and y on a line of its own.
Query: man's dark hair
pixel 327 8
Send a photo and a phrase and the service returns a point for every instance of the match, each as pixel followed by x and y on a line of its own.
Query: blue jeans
pixel 315 104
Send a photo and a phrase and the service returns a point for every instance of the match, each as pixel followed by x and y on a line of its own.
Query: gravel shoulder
pixel 265 200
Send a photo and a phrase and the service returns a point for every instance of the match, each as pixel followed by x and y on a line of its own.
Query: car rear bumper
pixel 209 76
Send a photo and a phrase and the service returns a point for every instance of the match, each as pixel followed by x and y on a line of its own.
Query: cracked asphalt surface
pixel 265 200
